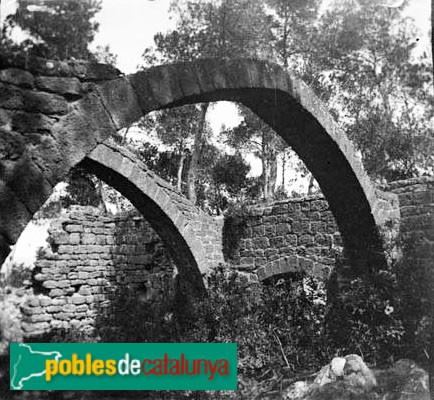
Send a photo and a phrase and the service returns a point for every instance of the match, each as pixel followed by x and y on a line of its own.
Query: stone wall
pixel 287 236
pixel 416 235
pixel 416 199
pixel 94 262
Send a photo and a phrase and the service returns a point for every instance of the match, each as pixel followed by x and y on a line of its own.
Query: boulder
pixel 349 378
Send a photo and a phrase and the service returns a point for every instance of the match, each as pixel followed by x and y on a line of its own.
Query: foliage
pixel 82 190
pixel 295 310
pixel 417 295
pixel 361 63
pixel 18 274
pixel 365 316
pixel 226 29
pixel 206 29
pixel 257 137
pixel 184 132
pixel 59 29
pixel 292 24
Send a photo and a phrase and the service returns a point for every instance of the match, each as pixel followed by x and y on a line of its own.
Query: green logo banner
pixel 123 366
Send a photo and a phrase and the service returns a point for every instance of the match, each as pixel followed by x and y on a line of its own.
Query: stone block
pixel 260 243
pixel 306 240
pixel 56 293
pixel 277 242
pixel 270 230
pixel 45 301
pixel 70 87
pixel 54 309
pixel 40 318
pixel 258 230
pixel 64 316
pixel 85 291
pixel 279 209
pixel 33 302
pixel 63 284
pixel 73 228
pixel 90 299
pixel 283 229
pixel 17 77
pixel 32 123
pixel 83 275
pixel 45 103
pixel 120 100
pixel 74 238
pixel 306 265
pixel 58 302
pixel 78 299
pixel 83 308
pixel 88 239
pixel 32 310
pixel 49 284
pixel 65 249
pixel 101 240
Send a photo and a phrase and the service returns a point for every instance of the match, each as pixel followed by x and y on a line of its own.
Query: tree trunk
pixel 195 157
pixel 100 193
pixel 264 167
pixel 180 169
pixel 272 176
pixel 311 185
pixel 283 170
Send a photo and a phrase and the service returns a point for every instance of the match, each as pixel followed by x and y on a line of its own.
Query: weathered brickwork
pixel 93 261
pixel 288 236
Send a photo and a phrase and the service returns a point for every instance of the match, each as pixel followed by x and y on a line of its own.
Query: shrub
pixel 365 317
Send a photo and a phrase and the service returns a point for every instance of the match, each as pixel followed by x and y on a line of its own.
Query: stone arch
pixel 54 114
pixel 179 223
pixel 289 106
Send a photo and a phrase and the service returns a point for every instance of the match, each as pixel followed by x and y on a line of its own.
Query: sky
pixel 130 29
pixel 129 26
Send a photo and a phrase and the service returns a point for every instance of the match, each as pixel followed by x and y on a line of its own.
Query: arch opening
pixel 299 117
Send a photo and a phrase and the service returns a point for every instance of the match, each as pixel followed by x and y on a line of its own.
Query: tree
pixel 361 64
pixel 59 29
pixel 226 29
pixel 291 27
pixel 229 175
pixel 256 136
pixel 178 129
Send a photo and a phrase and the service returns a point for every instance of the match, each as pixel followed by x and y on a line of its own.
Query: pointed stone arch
pixel 54 115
